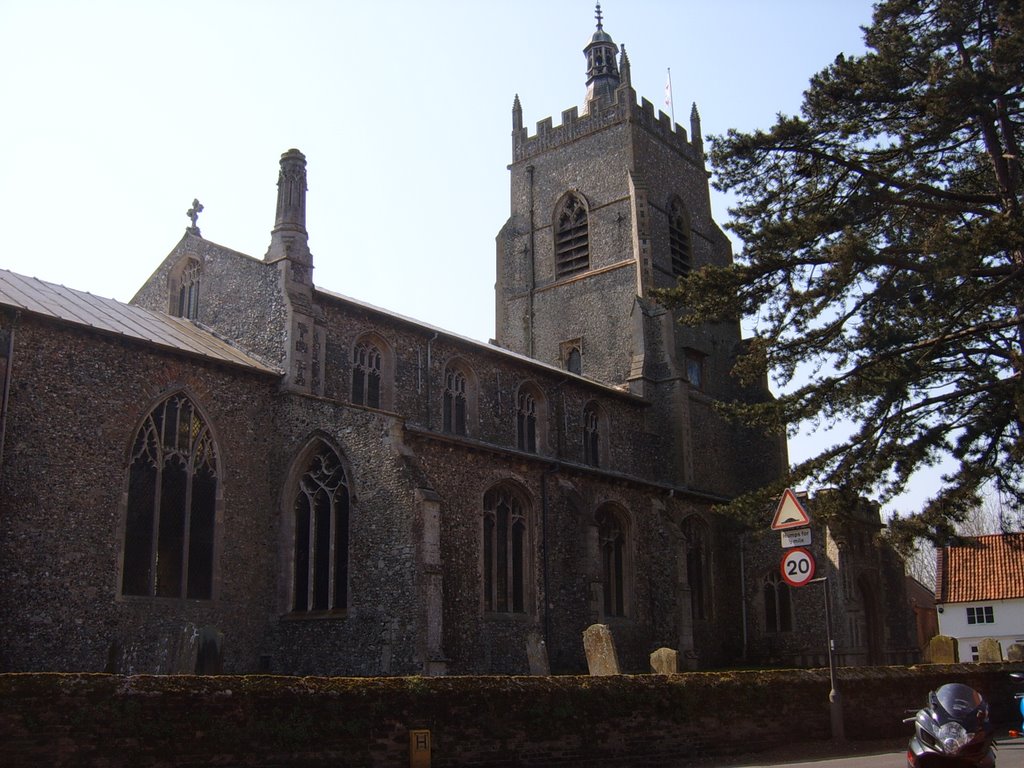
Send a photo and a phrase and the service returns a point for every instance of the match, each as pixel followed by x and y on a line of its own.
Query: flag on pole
pixel 668 96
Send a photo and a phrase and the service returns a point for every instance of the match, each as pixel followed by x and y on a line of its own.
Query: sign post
pixel 797 567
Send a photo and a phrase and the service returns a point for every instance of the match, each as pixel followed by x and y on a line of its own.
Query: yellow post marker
pixel 419 749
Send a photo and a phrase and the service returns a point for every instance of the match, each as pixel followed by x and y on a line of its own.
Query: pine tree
pixel 883 252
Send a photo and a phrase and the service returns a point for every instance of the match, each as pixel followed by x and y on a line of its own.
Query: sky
pixel 118 113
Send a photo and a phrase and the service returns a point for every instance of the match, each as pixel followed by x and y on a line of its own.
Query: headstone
pixel 1015 652
pixel 600 648
pixel 537 655
pixel 182 651
pixel 989 651
pixel 942 649
pixel 665 661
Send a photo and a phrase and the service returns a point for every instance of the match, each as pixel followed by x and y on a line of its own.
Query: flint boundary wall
pixel 651 720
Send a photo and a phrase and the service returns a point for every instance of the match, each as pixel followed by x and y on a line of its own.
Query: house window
pixel 366 374
pixel 528 411
pixel 698 566
pixel 982 614
pixel 505 551
pixel 572 246
pixel 975 655
pixel 679 238
pixel 613 557
pixel 592 436
pixel 320 509
pixel 455 402
pixel 172 498
pixel 778 606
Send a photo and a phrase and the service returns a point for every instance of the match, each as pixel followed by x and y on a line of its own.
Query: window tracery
pixel 572 238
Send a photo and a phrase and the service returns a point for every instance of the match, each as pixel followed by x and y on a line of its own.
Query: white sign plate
pixel 800 537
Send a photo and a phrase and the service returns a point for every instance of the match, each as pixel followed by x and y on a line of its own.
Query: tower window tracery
pixel 572 238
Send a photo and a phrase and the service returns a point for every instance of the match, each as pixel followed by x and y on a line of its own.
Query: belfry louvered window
pixel 572 238
pixel 172 496
pixel 321 535
pixel 679 239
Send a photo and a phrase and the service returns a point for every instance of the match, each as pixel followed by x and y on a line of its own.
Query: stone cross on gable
pixel 193 214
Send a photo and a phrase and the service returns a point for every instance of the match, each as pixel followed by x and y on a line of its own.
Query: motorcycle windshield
pixel 959 702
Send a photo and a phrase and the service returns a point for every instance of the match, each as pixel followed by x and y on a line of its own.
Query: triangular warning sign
pixel 790 513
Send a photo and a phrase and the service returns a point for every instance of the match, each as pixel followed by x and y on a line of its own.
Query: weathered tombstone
pixel 537 655
pixel 942 649
pixel 1015 652
pixel 665 661
pixel 600 647
pixel 989 651
pixel 182 651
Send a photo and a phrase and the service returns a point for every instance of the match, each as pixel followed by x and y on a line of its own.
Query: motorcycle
pixel 952 730
pixel 1014 732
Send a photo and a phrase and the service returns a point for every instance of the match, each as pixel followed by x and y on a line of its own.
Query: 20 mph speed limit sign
pixel 797 567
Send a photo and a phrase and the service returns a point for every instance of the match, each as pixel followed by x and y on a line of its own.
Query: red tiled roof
pixel 987 568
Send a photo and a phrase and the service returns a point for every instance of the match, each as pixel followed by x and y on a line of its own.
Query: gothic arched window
pixel 455 401
pixel 778 606
pixel 367 361
pixel 320 509
pixel 698 566
pixel 572 239
pixel 679 238
pixel 592 435
pixel 611 537
pixel 506 551
pixel 184 289
pixel 529 418
pixel 172 498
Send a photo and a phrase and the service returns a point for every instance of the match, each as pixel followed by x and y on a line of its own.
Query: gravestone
pixel 600 647
pixel 210 652
pixel 942 649
pixel 665 661
pixel 537 655
pixel 1015 652
pixel 989 651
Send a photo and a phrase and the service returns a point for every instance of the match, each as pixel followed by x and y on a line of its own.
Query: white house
pixel 979 591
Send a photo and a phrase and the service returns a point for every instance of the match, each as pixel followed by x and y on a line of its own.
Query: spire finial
pixel 597 15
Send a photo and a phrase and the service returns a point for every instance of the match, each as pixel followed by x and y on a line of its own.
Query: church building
pixel 242 471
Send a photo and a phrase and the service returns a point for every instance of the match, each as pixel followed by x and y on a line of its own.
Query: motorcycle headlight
pixel 953 737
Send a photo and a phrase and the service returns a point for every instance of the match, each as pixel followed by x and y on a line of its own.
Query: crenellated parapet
pixel 623 108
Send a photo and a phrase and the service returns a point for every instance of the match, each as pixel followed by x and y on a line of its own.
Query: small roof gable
pixel 56 302
pixel 985 568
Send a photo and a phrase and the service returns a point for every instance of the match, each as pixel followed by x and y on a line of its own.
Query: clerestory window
pixel 455 402
pixel 321 517
pixel 592 435
pixel 171 509
pixel 529 407
pixel 572 238
pixel 366 374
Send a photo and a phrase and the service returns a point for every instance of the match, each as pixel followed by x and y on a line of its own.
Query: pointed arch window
pixel 321 516
pixel 592 435
pixel 529 412
pixel 679 238
pixel 505 551
pixel 455 401
pixel 572 238
pixel 171 510
pixel 778 605
pixel 698 567
pixel 366 374
pixel 611 536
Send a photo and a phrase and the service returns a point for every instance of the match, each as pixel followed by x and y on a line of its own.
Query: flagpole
pixel 668 97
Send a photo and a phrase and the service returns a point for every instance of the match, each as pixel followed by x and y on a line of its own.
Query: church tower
pixel 605 207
